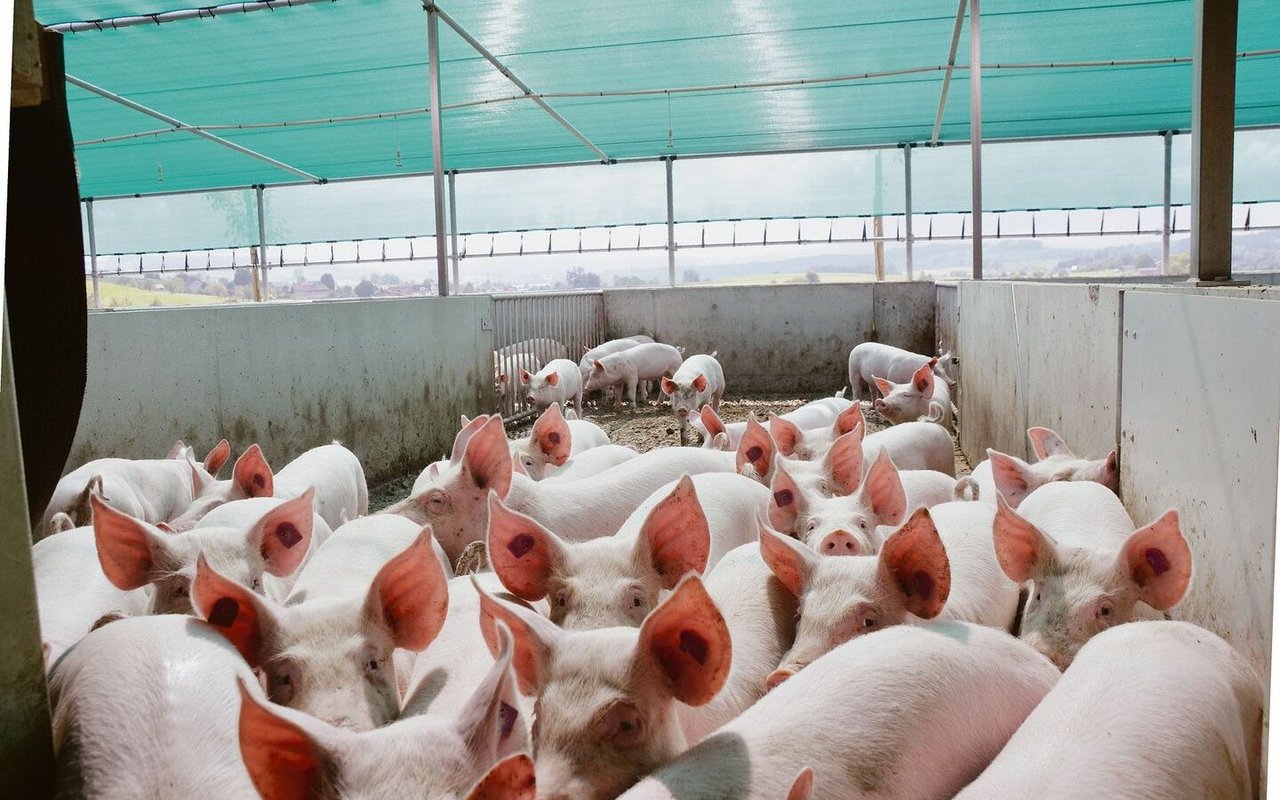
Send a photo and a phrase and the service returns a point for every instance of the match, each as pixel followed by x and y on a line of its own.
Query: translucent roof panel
pixel 671 77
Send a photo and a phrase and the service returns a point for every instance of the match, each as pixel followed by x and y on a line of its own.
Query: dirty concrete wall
pixel 778 338
pixel 388 378
pixel 947 316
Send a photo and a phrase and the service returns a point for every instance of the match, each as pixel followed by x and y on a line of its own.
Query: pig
pixel 1157 709
pixel 698 382
pixel 607 349
pixel 513 365
pixel 147 707
pixel 554 440
pixel 913 445
pixel 818 414
pixel 685 526
pixel 557 382
pixel 153 490
pixel 335 473
pixel 480 753
pixel 133 553
pixel 213 460
pixel 455 502
pixel 924 396
pixel 1015 478
pixel 587 464
pixel 73 593
pixel 908 713
pixel 330 649
pixel 611 701
pixel 644 362
pixel 802 787
pixel 939 565
pixel 812 444
pixel 243 513
pixel 1089 568
pixel 871 359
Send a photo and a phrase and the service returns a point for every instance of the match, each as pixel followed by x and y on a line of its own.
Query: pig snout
pixel 777 677
pixel 838 543
pixel 682 412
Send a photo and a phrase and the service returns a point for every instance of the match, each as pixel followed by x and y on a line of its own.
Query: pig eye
pixel 623 725
pixel 181 588
pixel 373 665
pixel 870 621
pixel 862 524
pixel 636 602
pixel 283 683
pixel 813 526
pixel 562 598
pixel 1105 610
pixel 256 585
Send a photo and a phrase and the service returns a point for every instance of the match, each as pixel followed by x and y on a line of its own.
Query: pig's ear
pixel 1012 476
pixel 251 475
pixel 700 383
pixel 512 778
pixel 785 502
pixel 283 535
pixel 848 419
pixel 176 450
pixel 843 463
pixel 489 722
pixel 1022 549
pixel 802 786
pixel 524 376
pixel 688 640
pixel 757 449
pixel 711 421
pixel 129 550
pixel 246 619
pixel 675 538
pixel 61 522
pixel 201 480
pixel 1110 474
pixel 885 387
pixel 410 595
pixel 785 433
pixel 668 386
pixel 553 379
pixel 791 562
pixel 914 561
pixel 1157 559
pixel 923 380
pixel 597 364
pixel 217 457
pixel 469 428
pixel 883 489
pixel 523 553
pixel 487 460
pixel 534 635
pixel 551 435
pixel 283 761
pixel 1045 443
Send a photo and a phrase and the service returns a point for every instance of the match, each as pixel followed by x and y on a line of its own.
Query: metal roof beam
pixel 207 12
pixel 521 85
pixel 182 126
pixel 946 79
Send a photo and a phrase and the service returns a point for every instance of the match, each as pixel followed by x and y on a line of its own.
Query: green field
pixel 791 277
pixel 116 296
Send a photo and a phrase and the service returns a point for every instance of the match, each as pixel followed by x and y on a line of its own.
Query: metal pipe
pixel 207 12
pixel 180 125
pixel 946 79
pixel 671 226
pixel 93 251
pixel 453 227
pixel 437 148
pixel 1165 221
pixel 911 241
pixel 975 130
pixel 262 242
pixel 521 85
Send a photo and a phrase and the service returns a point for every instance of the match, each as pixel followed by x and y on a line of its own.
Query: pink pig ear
pixel 1045 443
pixel 1158 560
pixel 231 609
pixel 802 786
pixel 700 383
pixel 757 449
pixel 883 488
pixel 410 595
pixel 675 536
pixel 668 385
pixel 487 458
pixel 786 433
pixel 784 504
pixel 843 463
pixel 535 638
pixel 915 562
pixel 553 379
pixel 688 640
pixel 217 457
pixel 468 429
pixel 524 376
pixel 1110 475
pixel 1022 549
pixel 510 779
pixel 176 450
pixel 711 421
pixel 885 387
pixel 849 419
pixel 923 380
pixel 1013 477
pixel 283 761
pixel 551 435
pixel 283 535
pixel 792 563
pixel 524 555
pixel 252 474
pixel 127 547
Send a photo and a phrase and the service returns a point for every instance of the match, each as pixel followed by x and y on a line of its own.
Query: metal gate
pixel 529 330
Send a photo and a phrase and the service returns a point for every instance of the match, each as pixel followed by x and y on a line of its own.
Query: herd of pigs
pixel 794 609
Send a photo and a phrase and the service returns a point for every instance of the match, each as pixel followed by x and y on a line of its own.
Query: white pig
pixel 939 565
pixel 812 444
pixel 817 414
pixel 1088 567
pixel 557 382
pixel 513 365
pixel 554 439
pixel 329 651
pixel 685 526
pixel 909 713
pixel 478 754
pixel 607 349
pixel 925 396
pixel 645 362
pixel 698 382
pixel 155 490
pixel 913 445
pixel 611 702
pixel 1015 478
pixel 1157 709
pixel 213 460
pixel 587 464
pixel 871 359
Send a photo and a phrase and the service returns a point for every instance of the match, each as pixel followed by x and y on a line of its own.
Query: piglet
pixel 1015 479
pixel 871 359
pixel 812 444
pixel 559 381
pixel 153 490
pixel 925 396
pixel 699 382
pixel 554 440
pixel 817 414
pixel 645 362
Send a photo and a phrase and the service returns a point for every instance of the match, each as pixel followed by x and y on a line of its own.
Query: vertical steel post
pixel 975 130
pixel 93 251
pixel 1168 201
pixel 437 148
pixel 1213 106
pixel 453 226
pixel 671 225
pixel 911 241
pixel 262 241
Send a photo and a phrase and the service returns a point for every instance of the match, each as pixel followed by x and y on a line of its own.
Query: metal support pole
pixel 93 251
pixel 911 241
pixel 1165 222
pixel 262 242
pixel 1213 100
pixel 437 148
pixel 453 226
pixel 975 131
pixel 671 225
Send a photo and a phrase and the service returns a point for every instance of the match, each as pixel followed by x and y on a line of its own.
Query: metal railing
pixel 531 330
